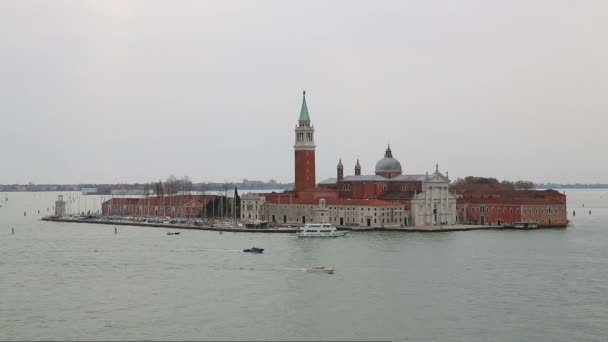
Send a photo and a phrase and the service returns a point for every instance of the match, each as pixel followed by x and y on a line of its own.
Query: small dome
pixel 388 163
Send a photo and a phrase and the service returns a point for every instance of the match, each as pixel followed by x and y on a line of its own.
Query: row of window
pixel 481 209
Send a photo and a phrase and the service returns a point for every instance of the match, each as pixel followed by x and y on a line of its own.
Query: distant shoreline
pixel 282 187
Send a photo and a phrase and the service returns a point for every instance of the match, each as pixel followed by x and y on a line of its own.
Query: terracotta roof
pixel 514 200
pixel 167 200
pixel 332 201
pixel 477 188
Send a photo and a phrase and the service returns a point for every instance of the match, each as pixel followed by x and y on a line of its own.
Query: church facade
pixel 387 198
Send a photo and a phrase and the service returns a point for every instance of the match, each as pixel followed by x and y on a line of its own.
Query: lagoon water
pixel 69 281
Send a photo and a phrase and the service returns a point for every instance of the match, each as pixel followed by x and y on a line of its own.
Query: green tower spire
pixel 304 111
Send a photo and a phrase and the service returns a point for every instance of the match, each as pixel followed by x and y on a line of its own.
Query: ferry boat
pixel 320 230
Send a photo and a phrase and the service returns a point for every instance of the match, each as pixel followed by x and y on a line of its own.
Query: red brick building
pixel 493 204
pixel 173 206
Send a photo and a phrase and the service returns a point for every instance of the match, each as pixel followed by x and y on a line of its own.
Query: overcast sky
pixel 133 91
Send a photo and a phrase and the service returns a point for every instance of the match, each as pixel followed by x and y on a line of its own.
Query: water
pixel 69 281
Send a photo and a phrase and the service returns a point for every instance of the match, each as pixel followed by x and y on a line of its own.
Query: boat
pixel 254 250
pixel 320 230
pixel 173 233
pixel 525 225
pixel 257 225
pixel 321 269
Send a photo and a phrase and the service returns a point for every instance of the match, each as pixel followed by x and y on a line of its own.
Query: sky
pixel 134 91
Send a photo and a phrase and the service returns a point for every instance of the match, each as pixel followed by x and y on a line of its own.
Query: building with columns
pixel 387 198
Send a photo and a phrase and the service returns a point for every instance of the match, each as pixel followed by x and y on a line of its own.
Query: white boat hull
pixel 333 234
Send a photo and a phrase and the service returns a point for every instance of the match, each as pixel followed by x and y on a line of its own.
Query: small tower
pixel 357 168
pixel 60 207
pixel 340 170
pixel 304 151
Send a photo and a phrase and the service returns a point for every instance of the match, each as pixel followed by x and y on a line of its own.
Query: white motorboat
pixel 320 230
pixel 321 269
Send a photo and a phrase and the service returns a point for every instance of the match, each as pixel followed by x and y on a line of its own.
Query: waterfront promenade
pixel 424 229
pixel 175 226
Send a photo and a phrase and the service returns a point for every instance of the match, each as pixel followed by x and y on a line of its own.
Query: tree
pixel 508 184
pixel 475 180
pixel 159 188
pixel 171 185
pixel 524 185
pixel 185 185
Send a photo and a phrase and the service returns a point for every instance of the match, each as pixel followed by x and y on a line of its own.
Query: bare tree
pixel 186 185
pixel 171 185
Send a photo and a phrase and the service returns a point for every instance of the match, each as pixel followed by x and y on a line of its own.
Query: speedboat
pixel 321 269
pixel 254 250
pixel 173 233
pixel 320 230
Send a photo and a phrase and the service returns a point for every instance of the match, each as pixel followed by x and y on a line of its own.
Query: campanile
pixel 304 151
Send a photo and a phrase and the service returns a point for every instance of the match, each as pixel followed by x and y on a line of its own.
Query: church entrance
pixel 284 218
pixel 482 220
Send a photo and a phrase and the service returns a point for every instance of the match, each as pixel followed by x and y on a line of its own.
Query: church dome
pixel 388 164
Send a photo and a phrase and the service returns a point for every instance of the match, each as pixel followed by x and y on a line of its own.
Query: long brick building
pixel 173 206
pixel 494 204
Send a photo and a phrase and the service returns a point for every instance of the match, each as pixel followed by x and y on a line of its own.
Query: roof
pixel 378 178
pixel 477 188
pixel 398 195
pixel 335 201
pixel 304 110
pixel 329 181
pixel 178 200
pixel 514 200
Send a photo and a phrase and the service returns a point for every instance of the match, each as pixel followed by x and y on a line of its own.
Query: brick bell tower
pixel 305 151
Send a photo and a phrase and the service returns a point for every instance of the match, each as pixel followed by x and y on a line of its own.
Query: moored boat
pixel 320 230
pixel 525 225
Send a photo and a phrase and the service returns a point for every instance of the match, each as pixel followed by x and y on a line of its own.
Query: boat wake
pixel 218 250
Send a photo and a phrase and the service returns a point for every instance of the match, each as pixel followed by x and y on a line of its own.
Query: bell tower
pixel 304 151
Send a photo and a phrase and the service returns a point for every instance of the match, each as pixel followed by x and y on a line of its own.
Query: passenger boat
pixel 320 230
pixel 321 269
pixel 254 250
pixel 526 225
